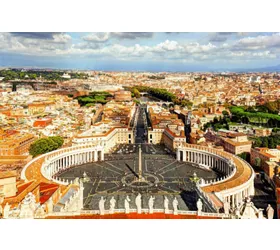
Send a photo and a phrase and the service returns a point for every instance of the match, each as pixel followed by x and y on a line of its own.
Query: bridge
pixel 161 103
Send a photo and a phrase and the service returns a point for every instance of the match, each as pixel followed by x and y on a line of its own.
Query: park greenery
pixel 218 123
pixel 159 93
pixel 266 141
pixel 265 115
pixel 93 98
pixel 13 74
pixel 45 145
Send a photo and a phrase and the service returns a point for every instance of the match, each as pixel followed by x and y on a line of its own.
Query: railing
pixel 205 197
pixel 143 211
pixel 219 180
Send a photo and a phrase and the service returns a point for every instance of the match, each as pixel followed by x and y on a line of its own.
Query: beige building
pixel 8 183
pixel 17 144
pixel 237 143
pixel 165 128
pixel 107 135
pixel 232 142
pixel 122 95
pixel 268 159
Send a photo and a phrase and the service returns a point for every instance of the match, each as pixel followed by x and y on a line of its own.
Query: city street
pixel 141 132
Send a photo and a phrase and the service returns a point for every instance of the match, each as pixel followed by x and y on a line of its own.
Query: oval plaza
pixel 216 178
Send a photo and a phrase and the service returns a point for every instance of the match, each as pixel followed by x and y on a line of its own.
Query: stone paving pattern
pixel 105 178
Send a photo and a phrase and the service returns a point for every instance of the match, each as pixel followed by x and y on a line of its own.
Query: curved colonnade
pixel 61 159
pixel 237 182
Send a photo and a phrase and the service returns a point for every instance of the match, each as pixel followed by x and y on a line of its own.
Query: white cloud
pixel 97 37
pixel 132 35
pixel 61 38
pixel 95 44
pixel 259 42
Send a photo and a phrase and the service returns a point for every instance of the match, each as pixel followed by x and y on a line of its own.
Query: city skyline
pixel 141 51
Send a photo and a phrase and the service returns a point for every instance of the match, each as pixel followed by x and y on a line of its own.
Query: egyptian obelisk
pixel 140 177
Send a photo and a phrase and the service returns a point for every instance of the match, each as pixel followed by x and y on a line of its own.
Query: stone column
pixel 90 156
pixel 193 159
pixel 102 155
pixel 184 155
pixel 178 154
pixel 63 163
pixel 251 189
pixel 95 155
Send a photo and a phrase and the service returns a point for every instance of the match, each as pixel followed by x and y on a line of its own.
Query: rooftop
pixel 8 174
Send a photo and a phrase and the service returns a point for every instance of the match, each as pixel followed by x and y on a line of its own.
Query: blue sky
pixel 143 51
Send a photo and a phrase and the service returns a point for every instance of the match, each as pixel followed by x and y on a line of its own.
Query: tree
pixel 136 92
pixel 215 120
pixel 257 162
pixel 45 145
pixel 265 142
pixel 57 139
pixel 225 113
pixel 257 142
pixel 245 156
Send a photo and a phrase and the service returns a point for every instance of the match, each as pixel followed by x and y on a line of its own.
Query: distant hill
pixel 264 69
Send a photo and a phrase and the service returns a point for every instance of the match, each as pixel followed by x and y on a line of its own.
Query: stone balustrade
pixel 143 211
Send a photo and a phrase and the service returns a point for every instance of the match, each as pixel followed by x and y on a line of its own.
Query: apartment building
pixel 16 144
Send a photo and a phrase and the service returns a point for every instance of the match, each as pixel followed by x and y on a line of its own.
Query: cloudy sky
pixel 140 51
